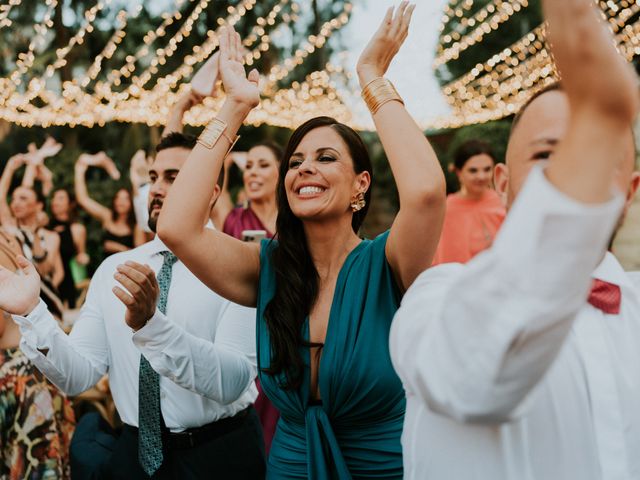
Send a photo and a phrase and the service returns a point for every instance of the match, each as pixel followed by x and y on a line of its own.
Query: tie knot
pixel 169 258
pixel 605 296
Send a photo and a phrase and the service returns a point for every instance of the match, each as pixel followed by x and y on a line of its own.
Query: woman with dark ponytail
pixel 325 298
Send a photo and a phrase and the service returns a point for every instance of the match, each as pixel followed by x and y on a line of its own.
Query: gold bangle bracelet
pixel 378 92
pixel 212 133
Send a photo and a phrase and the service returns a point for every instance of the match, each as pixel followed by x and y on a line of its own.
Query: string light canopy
pixel 139 89
pixel 499 86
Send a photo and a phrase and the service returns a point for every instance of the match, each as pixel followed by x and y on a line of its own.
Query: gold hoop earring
pixel 358 202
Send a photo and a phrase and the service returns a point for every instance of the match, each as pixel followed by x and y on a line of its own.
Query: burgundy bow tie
pixel 605 296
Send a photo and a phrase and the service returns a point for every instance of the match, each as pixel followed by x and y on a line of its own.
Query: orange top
pixel 469 227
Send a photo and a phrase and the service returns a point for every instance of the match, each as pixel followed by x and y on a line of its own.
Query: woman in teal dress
pixel 355 430
pixel 325 298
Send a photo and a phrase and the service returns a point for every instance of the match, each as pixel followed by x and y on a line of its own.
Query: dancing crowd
pixel 270 340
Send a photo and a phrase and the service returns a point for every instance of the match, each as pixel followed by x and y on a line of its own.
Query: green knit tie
pixel 150 435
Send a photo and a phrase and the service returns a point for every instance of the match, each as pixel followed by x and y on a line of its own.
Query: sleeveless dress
pixel 126 240
pixel 67 287
pixel 241 219
pixel 355 431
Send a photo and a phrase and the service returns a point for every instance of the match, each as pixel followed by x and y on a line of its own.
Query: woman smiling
pixel 260 178
pixel 325 298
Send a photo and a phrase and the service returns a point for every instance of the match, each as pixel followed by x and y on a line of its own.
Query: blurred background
pixel 102 76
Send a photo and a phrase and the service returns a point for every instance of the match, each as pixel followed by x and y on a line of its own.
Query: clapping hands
pixel 139 292
pixel 19 291
pixel 49 148
pixel 100 160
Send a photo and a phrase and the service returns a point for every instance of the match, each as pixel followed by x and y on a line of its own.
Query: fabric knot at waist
pixel 325 459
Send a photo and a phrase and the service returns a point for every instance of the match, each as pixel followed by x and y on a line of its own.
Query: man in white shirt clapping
pixel 181 360
pixel 525 363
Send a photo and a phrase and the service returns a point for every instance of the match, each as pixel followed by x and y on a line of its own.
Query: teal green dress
pixel 355 432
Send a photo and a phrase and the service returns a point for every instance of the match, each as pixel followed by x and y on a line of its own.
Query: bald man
pixel 525 363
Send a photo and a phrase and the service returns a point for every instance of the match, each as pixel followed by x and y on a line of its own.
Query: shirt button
pixel 162 395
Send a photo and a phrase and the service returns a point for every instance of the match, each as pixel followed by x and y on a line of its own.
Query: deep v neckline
pixel 327 344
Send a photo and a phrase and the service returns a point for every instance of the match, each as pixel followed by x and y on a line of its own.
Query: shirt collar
pixel 611 271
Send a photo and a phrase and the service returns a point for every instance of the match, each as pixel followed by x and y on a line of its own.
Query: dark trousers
pixel 238 454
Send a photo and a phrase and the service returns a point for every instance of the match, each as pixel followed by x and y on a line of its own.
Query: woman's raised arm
pixel 6 218
pixel 228 266
pixel 421 185
pixel 93 208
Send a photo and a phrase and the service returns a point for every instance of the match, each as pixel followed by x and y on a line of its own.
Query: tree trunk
pixel 320 59
pixel 70 135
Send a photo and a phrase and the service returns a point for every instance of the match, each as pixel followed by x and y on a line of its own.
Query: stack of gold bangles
pixel 378 92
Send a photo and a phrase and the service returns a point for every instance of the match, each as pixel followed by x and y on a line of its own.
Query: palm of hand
pixel 236 83
pixel 18 292
pixel 50 148
pixel 378 53
pixel 385 44
pixel 102 160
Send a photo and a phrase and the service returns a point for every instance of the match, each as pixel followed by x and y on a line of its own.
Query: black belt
pixel 192 437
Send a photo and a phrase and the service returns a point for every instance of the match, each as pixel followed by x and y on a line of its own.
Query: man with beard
pixel 524 363
pixel 181 360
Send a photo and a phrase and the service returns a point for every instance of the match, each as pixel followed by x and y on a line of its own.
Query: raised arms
pixel 93 208
pixel 473 341
pixel 421 186
pixel 603 96
pixel 5 183
pixel 226 265
pixel 182 106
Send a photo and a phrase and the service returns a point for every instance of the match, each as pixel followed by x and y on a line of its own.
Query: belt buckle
pixel 190 439
pixel 183 439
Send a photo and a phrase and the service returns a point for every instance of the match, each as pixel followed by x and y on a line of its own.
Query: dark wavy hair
pixel 272 146
pixel 73 204
pixel 470 149
pixel 131 214
pixel 296 275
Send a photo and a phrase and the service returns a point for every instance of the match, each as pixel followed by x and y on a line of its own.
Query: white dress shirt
pixel 203 348
pixel 141 207
pixel 509 372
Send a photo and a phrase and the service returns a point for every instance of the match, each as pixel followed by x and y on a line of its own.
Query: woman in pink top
pixel 260 178
pixel 475 213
